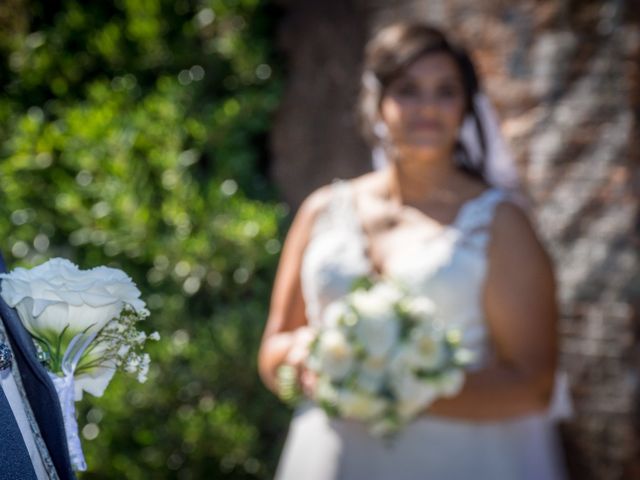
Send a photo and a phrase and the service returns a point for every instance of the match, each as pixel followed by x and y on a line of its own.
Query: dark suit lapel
pixel 40 391
pixel 14 456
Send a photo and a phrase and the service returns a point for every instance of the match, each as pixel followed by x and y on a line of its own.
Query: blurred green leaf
pixel 133 134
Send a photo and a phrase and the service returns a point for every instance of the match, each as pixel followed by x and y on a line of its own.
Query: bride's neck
pixel 415 182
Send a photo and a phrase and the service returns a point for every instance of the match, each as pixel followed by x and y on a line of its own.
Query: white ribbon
pixel 500 166
pixel 561 405
pixel 66 393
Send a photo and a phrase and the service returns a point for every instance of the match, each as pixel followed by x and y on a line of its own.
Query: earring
pixel 380 130
pixel 370 81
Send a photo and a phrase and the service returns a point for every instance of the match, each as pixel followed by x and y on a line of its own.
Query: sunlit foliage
pixel 133 134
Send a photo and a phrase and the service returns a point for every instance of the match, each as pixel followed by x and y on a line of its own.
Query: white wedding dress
pixel 450 269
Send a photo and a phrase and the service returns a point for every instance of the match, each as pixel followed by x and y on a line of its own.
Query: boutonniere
pixel 84 325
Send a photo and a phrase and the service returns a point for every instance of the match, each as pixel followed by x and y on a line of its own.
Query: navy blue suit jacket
pixel 39 389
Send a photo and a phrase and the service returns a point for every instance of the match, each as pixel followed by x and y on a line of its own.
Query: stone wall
pixel 565 77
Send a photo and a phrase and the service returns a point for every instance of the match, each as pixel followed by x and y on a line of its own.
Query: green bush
pixel 133 134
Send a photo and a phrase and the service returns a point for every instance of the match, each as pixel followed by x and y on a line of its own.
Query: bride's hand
pixel 297 358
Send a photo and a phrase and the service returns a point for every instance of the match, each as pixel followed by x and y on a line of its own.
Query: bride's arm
pixel 287 310
pixel 520 308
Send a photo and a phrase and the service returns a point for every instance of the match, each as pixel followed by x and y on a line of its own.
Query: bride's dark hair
pixel 389 53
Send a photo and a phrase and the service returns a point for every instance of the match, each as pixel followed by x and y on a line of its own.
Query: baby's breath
pixel 121 344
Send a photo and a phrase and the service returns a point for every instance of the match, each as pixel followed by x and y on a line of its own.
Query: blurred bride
pixel 443 216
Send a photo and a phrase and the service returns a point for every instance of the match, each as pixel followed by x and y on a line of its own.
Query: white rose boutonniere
pixel 83 325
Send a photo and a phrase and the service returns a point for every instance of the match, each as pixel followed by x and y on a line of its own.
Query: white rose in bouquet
pixel 327 393
pixel 421 308
pixel 451 382
pixel 376 302
pixel 411 392
pixel 360 405
pixel 371 374
pixel 335 354
pixel 427 337
pixel 428 347
pixel 337 312
pixel 378 326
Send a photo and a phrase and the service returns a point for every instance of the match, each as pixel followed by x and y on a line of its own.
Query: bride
pixel 442 216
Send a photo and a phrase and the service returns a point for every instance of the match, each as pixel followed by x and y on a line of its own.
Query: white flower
pixel 334 354
pixel 133 364
pixel 57 303
pixel 464 356
pixel 155 336
pixel 378 335
pixel 387 290
pixel 427 347
pixel 377 301
pixel 360 405
pixel 378 327
pixel 335 313
pixel 144 368
pixel 376 367
pixel 96 377
pixel 140 338
pixel 57 297
pixel 325 391
pixel 413 394
pixel 421 308
pixel 371 374
pixel 123 350
pixel 451 382
pixel 94 381
pixel 383 428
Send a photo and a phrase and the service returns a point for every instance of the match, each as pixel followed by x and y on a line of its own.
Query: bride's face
pixel 424 107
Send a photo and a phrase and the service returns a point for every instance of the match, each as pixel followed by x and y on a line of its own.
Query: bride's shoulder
pixel 316 201
pixel 513 226
pixel 305 218
pixel 512 212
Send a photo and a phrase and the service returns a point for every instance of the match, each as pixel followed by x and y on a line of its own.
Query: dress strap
pixel 340 211
pixel 340 197
pixel 476 217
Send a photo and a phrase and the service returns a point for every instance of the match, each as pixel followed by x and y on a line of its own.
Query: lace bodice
pixel 449 267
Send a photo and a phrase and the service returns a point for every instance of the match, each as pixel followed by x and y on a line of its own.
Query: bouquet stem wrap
pixel 64 387
pixel 66 393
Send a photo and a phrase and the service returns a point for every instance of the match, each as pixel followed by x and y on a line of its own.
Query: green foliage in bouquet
pixel 132 134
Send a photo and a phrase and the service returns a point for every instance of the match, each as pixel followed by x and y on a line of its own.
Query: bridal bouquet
pixel 83 323
pixel 383 356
